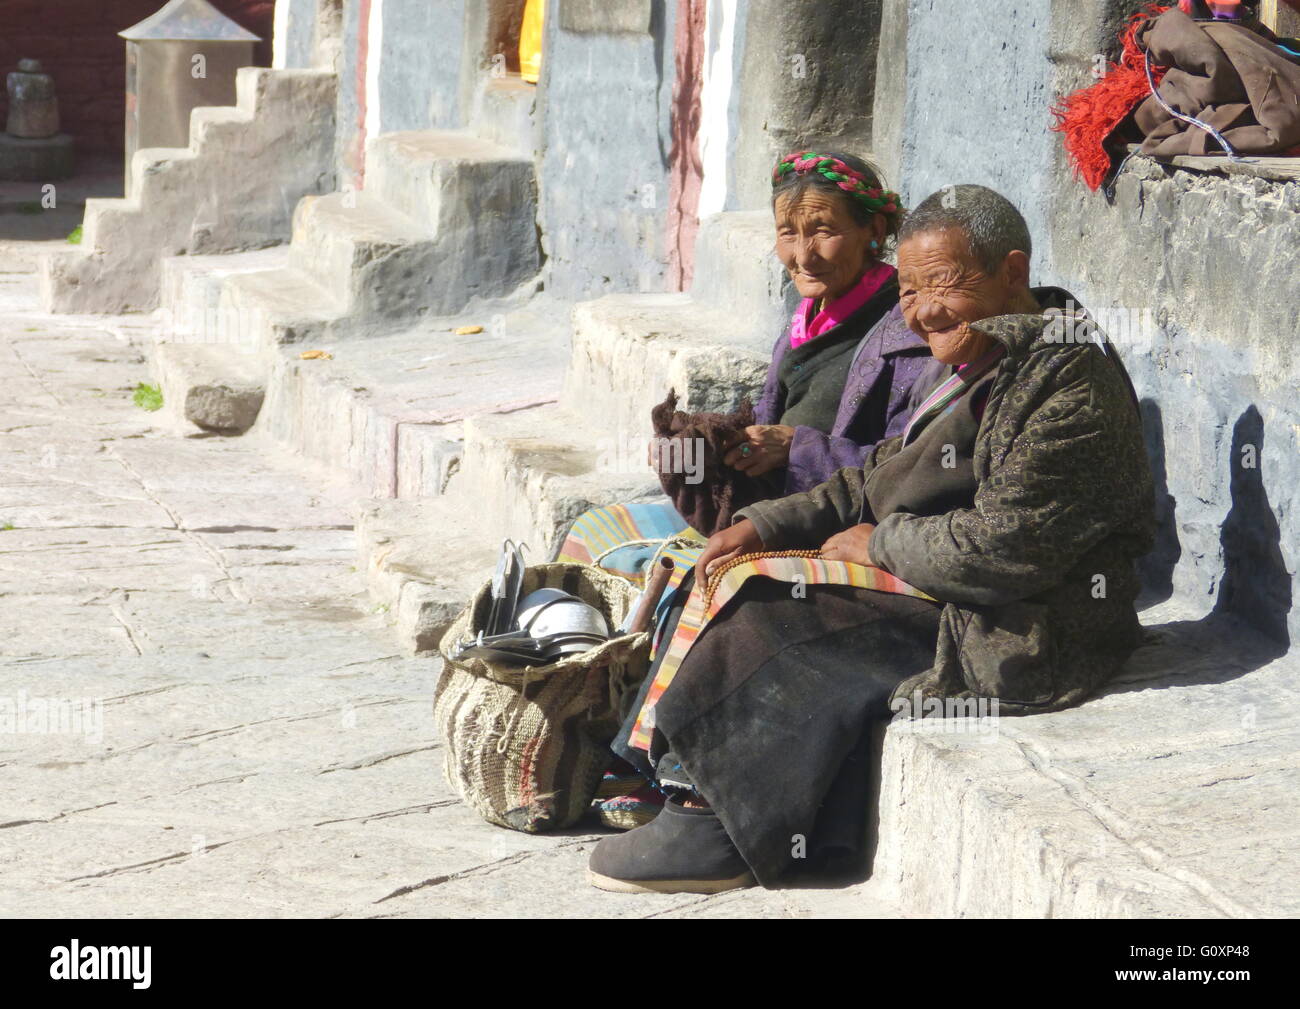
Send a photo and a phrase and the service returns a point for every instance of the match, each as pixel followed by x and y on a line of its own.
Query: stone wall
pixel 77 42
pixel 604 101
pixel 420 46
pixel 1195 275
pixel 415 65
pixel 807 77
pixel 976 105
pixel 1201 273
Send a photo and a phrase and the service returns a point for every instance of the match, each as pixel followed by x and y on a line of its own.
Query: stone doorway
pixel 505 20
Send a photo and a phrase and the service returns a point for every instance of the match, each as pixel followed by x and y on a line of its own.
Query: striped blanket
pixel 801 568
pixel 623 539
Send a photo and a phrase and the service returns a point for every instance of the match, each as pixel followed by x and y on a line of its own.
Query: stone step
pixel 263 309
pixel 378 261
pixel 424 559
pixel 387 411
pixel 712 345
pixel 630 349
pixel 528 475
pixel 737 272
pixel 318 409
pixel 477 199
pixel 233 188
pixel 433 176
pixel 1169 795
pixel 363 263
pixel 191 290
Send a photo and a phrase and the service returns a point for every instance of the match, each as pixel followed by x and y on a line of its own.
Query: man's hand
pixel 768 448
pixel 742 538
pixel 850 545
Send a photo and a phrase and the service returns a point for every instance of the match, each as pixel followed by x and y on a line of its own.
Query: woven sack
pixel 526 746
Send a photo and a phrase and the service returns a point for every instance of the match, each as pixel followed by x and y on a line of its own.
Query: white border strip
pixel 280 39
pixel 374 67
pixel 715 104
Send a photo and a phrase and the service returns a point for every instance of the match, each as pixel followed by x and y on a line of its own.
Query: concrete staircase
pixel 446 218
pixel 528 473
pixel 234 188
pixel 461 440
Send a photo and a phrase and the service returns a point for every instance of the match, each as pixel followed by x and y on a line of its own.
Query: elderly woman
pixel 841 373
pixel 986 552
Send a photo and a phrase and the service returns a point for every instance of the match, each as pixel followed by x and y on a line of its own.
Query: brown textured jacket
pixel 1025 523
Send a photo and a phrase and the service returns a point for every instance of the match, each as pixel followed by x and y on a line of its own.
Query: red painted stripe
pixel 357 154
pixel 686 169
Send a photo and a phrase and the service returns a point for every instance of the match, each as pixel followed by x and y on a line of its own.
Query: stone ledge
pixel 1169 795
pixel 423 563
pixel 216 388
pixel 1258 166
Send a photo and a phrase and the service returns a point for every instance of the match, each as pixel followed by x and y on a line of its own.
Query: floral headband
pixel 878 201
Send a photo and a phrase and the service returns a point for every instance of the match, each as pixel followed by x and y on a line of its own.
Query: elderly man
pixel 986 552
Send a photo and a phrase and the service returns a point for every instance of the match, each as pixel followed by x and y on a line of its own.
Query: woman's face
pixel 821 246
pixel 942 290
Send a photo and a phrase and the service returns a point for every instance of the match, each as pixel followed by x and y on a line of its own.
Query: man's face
pixel 942 290
pixel 819 243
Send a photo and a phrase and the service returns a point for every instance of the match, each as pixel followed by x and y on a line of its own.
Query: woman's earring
pixel 874 245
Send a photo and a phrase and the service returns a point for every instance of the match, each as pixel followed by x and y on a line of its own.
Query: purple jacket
pixel 887 364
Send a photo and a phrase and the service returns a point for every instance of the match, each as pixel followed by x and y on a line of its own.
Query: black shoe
pixel 682 850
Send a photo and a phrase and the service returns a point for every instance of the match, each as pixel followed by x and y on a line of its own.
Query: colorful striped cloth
pixel 953 389
pixel 799 567
pixel 623 539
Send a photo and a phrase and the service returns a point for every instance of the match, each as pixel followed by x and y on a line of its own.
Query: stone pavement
pixel 29 227
pixel 200 713
pixel 239 734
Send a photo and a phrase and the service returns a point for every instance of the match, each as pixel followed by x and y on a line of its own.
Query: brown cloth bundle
pixel 719 491
pixel 1231 77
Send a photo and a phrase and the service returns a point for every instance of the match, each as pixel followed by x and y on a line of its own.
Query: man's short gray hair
pixel 992 225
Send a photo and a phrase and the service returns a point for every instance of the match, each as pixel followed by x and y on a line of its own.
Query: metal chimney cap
pixel 184 20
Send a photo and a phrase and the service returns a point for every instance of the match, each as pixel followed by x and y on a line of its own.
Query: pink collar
pixel 802 330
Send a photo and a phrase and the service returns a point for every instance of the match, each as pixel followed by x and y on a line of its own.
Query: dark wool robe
pixel 707 499
pixel 1051 491
pixel 873 398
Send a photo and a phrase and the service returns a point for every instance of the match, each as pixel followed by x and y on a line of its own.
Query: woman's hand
pixel 768 445
pixel 850 545
pixel 742 538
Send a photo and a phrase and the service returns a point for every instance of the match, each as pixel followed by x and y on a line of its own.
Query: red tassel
pixel 1089 116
